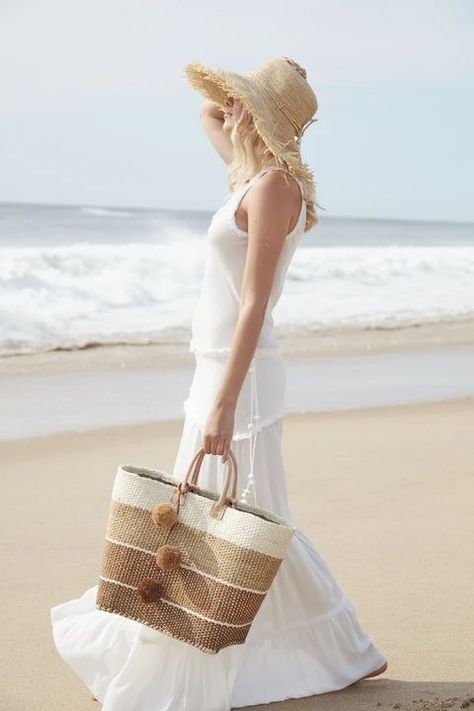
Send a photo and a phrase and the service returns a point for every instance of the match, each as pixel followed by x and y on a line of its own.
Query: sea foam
pixel 75 295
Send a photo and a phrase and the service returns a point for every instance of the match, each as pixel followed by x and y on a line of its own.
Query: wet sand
pixel 294 344
pixel 128 385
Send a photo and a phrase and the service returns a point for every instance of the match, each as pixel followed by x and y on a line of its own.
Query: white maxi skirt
pixel 305 638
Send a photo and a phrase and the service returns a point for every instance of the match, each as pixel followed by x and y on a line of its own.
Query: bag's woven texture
pixel 228 554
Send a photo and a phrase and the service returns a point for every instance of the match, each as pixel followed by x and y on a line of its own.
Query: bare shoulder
pixel 271 206
pixel 275 197
pixel 276 187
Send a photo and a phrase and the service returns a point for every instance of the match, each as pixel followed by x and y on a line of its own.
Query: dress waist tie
pixel 253 429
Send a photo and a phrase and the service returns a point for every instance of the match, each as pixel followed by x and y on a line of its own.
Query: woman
pixel 305 638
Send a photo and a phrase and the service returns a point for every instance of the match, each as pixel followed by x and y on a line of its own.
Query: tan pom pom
pixel 149 590
pixel 164 515
pixel 168 557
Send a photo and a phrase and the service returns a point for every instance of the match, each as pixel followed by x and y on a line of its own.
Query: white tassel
pixel 254 416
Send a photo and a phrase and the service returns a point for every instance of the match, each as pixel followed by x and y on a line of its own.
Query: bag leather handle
pixel 230 483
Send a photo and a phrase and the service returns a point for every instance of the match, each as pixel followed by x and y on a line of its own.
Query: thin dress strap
pixel 261 172
pixel 248 184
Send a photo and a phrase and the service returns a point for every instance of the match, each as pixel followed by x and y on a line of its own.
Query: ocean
pixel 75 276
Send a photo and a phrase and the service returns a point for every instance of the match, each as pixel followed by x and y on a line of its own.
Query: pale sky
pixel 95 108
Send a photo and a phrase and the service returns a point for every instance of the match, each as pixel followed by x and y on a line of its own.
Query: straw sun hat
pixel 278 98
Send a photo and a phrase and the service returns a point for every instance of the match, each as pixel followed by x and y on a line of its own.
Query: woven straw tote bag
pixel 184 560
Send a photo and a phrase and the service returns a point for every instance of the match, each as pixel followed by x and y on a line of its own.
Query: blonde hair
pixel 251 154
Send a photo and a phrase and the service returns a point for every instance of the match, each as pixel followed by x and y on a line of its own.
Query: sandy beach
pixel 390 510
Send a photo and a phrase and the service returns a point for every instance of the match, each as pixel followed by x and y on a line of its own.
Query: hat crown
pixel 285 86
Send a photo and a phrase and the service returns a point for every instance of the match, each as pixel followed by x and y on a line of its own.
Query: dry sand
pixel 391 510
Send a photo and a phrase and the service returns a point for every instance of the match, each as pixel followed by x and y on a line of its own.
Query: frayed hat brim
pixel 276 132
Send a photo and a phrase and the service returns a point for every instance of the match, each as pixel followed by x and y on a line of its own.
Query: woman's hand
pixel 218 431
pixel 211 109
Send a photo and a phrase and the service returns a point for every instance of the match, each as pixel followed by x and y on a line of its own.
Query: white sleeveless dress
pixel 306 638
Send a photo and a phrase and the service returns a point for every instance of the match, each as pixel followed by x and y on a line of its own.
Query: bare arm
pixel 212 120
pixel 270 206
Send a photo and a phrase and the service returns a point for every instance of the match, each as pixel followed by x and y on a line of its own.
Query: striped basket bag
pixel 189 562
